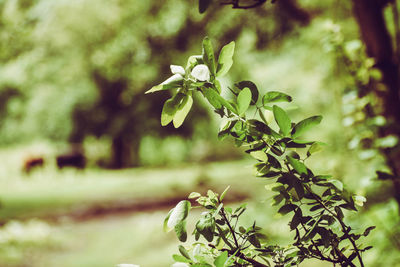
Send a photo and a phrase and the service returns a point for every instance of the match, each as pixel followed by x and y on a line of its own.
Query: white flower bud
pixel 201 72
pixel 175 69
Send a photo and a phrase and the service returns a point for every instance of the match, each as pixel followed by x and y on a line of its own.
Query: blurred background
pixel 87 173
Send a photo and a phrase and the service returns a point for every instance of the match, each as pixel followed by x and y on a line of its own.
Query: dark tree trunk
pixel 375 35
pixel 125 153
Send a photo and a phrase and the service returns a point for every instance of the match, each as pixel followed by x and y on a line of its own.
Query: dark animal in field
pixel 31 163
pixel 73 158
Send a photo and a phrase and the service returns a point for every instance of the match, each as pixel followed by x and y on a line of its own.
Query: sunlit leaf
pixel 359 200
pixel 282 119
pixel 169 109
pixel 165 226
pixel 314 148
pixel 273 96
pixel 183 110
pixel 224 193
pixel 243 100
pixel 297 165
pixel 172 82
pixel 180 259
pixel 305 125
pixel 225 60
pixel 208 55
pixel 221 259
pixel 179 213
pixel 216 100
pixel 194 195
pixel 338 184
pixel 260 155
pixel 253 89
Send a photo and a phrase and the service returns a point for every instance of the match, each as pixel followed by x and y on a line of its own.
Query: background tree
pixel 81 70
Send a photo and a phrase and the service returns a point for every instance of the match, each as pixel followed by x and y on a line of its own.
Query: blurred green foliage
pixel 72 70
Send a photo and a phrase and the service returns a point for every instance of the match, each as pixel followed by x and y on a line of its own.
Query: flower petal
pixel 201 73
pixel 175 69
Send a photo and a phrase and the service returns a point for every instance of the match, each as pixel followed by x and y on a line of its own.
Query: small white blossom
pixel 201 72
pixel 175 69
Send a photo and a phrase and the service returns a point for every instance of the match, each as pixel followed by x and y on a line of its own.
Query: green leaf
pixel 277 199
pixel 225 60
pixel 224 193
pixel 359 200
pixel 179 258
pixel 208 55
pixel 194 195
pixel 285 209
pixel 179 213
pixel 174 81
pixel 169 109
pixel 243 100
pixel 274 96
pixel 184 252
pixel 282 119
pixel 216 100
pixel 253 89
pixel 337 184
pixel 254 241
pixel 206 226
pixel 213 98
pixel 339 213
pixel 166 228
pixel 183 110
pixel 368 230
pixel 304 125
pixel 263 128
pixel 193 61
pixel 314 148
pixel 180 230
pixel 259 155
pixel 298 187
pixel 225 131
pixel 296 219
pixel 221 259
pixel 325 235
pixel 297 165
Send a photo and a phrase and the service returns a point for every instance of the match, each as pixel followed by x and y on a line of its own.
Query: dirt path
pixel 123 207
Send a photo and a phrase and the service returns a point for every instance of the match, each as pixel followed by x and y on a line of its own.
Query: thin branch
pixel 222 211
pixel 344 227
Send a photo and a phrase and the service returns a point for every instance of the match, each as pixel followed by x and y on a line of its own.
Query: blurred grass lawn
pixel 123 238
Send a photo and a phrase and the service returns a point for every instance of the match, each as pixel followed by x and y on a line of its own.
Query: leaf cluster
pixel 316 203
